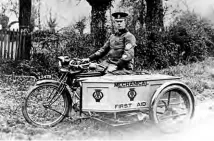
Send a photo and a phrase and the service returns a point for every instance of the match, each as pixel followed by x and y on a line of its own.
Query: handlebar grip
pixel 102 66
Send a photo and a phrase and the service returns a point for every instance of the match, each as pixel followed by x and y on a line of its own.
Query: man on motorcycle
pixel 119 48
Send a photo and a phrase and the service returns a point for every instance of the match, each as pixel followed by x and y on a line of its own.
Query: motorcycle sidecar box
pixel 118 93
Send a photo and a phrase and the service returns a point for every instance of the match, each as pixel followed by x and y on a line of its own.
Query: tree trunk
pixel 154 15
pixel 24 26
pixel 98 20
pixel 142 12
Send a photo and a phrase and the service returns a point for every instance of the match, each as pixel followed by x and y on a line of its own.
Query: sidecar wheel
pixel 38 113
pixel 173 109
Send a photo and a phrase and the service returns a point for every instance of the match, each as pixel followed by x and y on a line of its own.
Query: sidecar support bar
pixel 80 99
pixel 115 123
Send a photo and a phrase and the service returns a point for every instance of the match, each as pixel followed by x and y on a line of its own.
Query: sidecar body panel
pixel 117 93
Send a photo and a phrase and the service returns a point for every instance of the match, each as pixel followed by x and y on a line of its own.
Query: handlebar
pixel 79 64
pixel 87 66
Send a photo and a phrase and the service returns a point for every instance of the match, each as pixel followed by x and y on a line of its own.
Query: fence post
pixel 1 45
pixel 17 44
pixel 23 46
pixel 8 43
pixel 12 42
pixel 5 44
pixel 20 43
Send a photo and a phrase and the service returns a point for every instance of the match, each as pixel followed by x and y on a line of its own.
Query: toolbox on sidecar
pixel 118 93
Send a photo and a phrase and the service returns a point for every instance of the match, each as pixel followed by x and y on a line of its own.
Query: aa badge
pixel 98 95
pixel 132 94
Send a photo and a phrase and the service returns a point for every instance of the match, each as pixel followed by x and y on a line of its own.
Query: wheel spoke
pixel 56 95
pixel 169 95
pixel 172 116
pixel 57 111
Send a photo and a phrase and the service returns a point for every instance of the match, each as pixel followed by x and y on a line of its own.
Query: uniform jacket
pixel 116 50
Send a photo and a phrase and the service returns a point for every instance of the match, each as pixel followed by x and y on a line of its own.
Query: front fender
pixel 163 86
pixel 45 81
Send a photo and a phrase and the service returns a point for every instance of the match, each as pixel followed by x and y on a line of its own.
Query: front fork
pixel 74 96
pixel 53 98
pixel 76 100
pixel 57 93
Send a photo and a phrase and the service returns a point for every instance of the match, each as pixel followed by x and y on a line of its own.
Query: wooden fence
pixel 10 45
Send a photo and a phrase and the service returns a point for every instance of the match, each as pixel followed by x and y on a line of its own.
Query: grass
pixel 198 76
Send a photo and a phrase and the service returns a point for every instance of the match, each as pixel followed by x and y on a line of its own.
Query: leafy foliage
pixel 47 46
pixel 188 39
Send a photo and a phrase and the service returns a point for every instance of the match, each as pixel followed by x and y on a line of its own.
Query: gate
pixel 10 46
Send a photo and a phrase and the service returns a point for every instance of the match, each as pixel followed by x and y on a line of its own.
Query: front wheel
pixel 45 105
pixel 172 109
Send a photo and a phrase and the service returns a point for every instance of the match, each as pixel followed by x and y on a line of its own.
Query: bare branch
pixel 186 5
pixel 78 2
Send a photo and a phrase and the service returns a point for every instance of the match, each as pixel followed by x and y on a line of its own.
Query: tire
pixel 37 114
pixel 163 110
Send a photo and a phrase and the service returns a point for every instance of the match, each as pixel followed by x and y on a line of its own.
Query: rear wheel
pixel 172 109
pixel 42 109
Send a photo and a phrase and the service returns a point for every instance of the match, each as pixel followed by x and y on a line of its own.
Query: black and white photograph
pixel 106 70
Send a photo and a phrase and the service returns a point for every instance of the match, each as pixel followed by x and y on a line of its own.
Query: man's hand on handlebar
pixel 112 68
pixel 85 64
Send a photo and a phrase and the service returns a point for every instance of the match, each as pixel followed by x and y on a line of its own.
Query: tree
pixel 98 20
pixel 80 25
pixel 147 12
pixel 24 25
pixel 9 6
pixel 154 15
pixel 52 22
pixel 4 21
pixel 137 10
pixel 12 7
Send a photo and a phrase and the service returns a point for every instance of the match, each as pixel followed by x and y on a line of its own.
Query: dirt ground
pixel 200 128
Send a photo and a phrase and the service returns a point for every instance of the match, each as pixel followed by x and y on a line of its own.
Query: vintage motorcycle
pixel 113 99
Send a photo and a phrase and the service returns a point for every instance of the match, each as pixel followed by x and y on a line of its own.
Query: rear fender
pixel 167 84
